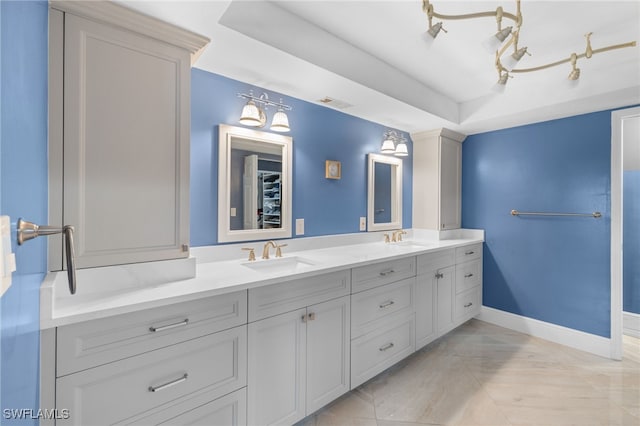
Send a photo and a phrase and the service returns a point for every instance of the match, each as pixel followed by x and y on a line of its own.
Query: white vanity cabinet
pixel 468 282
pixel 156 365
pixel 298 347
pixel 449 291
pixel 119 133
pixel 382 316
pixel 435 295
pixel 437 179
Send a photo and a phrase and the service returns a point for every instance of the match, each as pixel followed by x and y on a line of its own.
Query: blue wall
pixel 319 134
pixel 23 56
pixel 631 242
pixel 552 269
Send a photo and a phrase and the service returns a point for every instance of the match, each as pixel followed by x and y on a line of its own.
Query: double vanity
pixel 250 342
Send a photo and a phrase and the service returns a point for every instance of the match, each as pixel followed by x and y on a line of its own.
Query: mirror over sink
pixel 254 185
pixel 384 193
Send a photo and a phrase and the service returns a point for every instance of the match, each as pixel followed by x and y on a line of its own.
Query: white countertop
pixel 100 295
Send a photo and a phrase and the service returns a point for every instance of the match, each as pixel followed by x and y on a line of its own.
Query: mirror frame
pixel 396 193
pixel 225 135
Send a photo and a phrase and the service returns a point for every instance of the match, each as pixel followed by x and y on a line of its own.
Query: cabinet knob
pixel 439 275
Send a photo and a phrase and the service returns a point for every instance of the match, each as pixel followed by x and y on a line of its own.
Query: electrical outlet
pixel 299 226
pixel 363 223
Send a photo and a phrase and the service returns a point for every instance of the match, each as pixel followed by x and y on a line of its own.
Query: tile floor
pixel 481 374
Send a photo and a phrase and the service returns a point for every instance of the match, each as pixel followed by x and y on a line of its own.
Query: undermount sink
pixel 280 264
pixel 410 244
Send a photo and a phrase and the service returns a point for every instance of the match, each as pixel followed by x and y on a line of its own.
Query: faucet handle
pixel 279 249
pixel 386 238
pixel 252 254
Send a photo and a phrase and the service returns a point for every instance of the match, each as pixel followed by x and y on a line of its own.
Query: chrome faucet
pixel 265 250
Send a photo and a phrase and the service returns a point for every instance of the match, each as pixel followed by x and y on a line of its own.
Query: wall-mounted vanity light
pixel 394 143
pixel 254 115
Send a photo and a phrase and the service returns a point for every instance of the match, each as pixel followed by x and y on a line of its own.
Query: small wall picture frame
pixel 332 169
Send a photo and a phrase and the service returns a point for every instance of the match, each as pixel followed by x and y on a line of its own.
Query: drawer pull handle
pixel 386 347
pixel 468 304
pixel 169 384
pixel 467 253
pixel 386 304
pixel 170 326
pixel 387 272
pixel 468 275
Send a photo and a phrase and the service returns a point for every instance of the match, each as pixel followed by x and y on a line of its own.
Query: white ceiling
pixel 374 56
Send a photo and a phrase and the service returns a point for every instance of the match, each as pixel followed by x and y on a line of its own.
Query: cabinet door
pixel 450 183
pixel 426 308
pixel 126 145
pixel 276 370
pixel 445 292
pixel 328 346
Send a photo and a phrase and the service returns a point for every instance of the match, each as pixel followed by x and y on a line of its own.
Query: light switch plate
pixel 233 212
pixel 299 226
pixel 363 223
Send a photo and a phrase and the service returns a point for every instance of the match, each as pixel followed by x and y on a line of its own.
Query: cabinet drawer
pixel 433 261
pixel 370 276
pixel 376 351
pixel 119 390
pixel 229 410
pixel 468 275
pixel 468 253
pixel 372 308
pixel 279 298
pixel 468 304
pixel 92 343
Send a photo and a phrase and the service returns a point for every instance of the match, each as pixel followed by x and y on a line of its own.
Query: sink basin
pixel 281 265
pixel 410 244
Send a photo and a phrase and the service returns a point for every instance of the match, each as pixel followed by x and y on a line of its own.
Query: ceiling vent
pixel 334 103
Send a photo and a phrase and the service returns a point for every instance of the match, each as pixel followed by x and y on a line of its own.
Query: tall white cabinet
pixel 437 179
pixel 119 142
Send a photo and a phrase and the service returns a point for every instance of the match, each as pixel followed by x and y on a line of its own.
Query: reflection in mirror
pixel 384 202
pixel 254 185
pixel 382 194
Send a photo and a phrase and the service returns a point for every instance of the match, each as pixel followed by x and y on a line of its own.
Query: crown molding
pixel 436 133
pixel 117 15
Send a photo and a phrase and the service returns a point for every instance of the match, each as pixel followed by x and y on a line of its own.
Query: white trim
pixel 617 118
pixel 631 324
pixel 555 333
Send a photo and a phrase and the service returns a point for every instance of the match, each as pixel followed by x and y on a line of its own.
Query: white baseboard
pixel 631 324
pixel 580 340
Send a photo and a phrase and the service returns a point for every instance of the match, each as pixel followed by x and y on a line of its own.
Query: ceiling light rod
pixel 264 100
pixel 587 54
pixel 499 13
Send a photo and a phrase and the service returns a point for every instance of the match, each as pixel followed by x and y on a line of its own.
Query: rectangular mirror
pixel 384 193
pixel 254 185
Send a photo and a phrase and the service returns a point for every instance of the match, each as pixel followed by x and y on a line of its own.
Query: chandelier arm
pixel 582 55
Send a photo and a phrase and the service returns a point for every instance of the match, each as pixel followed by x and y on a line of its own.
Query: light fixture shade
pixel 280 122
pixel 501 84
pixel 388 146
pixel 401 149
pixel 435 30
pixel 574 75
pixel 512 60
pixel 250 115
pixel 494 42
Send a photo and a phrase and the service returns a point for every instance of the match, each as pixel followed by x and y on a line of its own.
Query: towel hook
pixel 29 230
